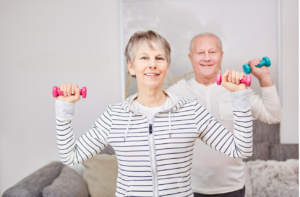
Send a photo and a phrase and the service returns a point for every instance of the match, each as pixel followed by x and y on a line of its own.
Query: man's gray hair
pixel 205 34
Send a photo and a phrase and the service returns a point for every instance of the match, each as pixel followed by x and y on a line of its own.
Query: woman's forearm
pixel 237 144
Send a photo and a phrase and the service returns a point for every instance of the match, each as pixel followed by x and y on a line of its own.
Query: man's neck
pixel 206 81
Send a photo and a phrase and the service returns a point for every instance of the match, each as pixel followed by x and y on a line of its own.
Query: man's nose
pixel 207 57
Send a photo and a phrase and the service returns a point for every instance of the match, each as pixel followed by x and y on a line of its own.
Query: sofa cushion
pixel 33 185
pixel 274 178
pixel 101 174
pixel 68 184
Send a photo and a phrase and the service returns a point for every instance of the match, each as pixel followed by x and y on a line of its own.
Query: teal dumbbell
pixel 264 62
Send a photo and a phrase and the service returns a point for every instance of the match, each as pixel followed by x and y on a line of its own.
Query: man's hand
pixel 231 81
pixel 71 93
pixel 262 73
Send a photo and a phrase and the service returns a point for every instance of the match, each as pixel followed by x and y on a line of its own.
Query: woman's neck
pixel 151 97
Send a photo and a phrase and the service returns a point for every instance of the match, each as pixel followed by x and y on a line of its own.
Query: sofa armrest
pixel 33 185
pixel 68 184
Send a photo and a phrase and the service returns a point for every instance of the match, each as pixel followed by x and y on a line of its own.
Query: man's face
pixel 206 57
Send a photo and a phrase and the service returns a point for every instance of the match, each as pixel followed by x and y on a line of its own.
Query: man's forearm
pixel 266 81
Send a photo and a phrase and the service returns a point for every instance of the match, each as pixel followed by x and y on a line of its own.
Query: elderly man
pixel 214 174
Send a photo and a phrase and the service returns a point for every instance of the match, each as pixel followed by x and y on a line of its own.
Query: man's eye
pixel 200 52
pixel 212 52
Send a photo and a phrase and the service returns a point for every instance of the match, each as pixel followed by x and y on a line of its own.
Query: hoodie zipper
pixel 152 159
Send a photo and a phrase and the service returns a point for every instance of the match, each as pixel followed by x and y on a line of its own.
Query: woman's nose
pixel 152 64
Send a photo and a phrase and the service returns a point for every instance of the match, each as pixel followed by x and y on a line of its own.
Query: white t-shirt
pixel 213 172
pixel 151 111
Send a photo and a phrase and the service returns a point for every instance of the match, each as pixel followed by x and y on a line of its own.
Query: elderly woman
pixel 153 132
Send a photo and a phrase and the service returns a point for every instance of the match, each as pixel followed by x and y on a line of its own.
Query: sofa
pixel 97 178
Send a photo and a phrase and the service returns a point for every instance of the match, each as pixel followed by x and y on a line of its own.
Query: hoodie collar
pixel 175 103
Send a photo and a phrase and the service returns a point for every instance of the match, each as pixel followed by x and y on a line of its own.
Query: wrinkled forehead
pixel 206 41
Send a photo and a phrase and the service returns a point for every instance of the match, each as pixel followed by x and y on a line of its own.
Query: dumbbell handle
pixel 246 80
pixel 264 62
pixel 56 92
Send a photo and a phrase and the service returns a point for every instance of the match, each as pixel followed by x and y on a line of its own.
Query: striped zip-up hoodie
pixel 167 172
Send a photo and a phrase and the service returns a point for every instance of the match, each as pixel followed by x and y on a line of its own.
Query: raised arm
pixel 237 144
pixel 73 151
pixel 266 108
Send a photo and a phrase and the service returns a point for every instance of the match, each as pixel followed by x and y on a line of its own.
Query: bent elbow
pixel 276 120
pixel 271 119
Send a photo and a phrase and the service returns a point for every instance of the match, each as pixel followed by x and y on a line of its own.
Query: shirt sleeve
pixel 71 150
pixel 238 144
pixel 266 108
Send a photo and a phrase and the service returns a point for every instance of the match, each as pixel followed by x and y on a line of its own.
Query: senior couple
pixel 188 140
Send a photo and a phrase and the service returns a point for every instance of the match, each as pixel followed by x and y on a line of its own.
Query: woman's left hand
pixel 231 81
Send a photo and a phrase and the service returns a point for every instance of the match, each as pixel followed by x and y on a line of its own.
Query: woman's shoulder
pixel 117 107
pixel 181 100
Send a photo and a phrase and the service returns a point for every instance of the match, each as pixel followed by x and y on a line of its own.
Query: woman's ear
pixel 131 68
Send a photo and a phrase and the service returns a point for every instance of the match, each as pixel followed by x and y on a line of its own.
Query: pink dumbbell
pixel 246 80
pixel 56 92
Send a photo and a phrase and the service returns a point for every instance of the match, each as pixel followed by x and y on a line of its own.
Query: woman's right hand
pixel 71 93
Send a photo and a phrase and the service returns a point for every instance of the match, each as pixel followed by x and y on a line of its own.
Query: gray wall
pixel 289 130
pixel 47 43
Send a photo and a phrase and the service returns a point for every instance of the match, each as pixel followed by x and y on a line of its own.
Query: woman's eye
pixel 160 58
pixel 143 58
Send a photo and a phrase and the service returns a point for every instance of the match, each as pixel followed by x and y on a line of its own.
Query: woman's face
pixel 150 66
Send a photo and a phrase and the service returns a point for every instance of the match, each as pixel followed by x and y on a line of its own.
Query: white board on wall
pixel 248 30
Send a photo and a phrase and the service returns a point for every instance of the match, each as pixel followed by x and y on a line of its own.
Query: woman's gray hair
pixel 205 34
pixel 148 37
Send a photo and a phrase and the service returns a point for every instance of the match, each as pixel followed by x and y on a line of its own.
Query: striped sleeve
pixel 73 151
pixel 238 144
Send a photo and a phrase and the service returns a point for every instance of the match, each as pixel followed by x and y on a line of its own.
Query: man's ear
pixel 131 68
pixel 190 57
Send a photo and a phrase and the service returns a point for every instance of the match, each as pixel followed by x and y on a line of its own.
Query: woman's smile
pixel 152 75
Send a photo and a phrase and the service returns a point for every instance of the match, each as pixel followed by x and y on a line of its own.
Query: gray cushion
pixel 67 184
pixel 108 150
pixel 33 185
